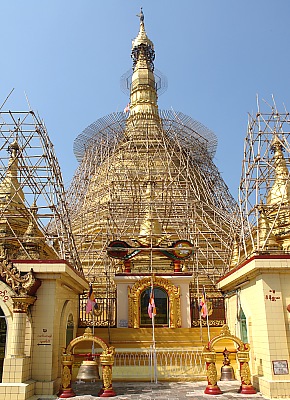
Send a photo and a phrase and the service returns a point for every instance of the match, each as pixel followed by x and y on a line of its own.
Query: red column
pixel 176 264
pixel 246 385
pixel 127 264
pixel 211 373
pixel 66 390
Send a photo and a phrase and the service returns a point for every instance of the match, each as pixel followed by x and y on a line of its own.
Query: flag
pixel 202 304
pixel 151 305
pixel 91 302
pixel 127 108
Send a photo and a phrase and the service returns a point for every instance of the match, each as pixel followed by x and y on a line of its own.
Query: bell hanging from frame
pixel 89 370
pixel 227 371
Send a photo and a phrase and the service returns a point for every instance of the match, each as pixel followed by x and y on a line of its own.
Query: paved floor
pixel 162 391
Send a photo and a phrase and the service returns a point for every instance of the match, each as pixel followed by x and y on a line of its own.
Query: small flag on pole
pixel 127 108
pixel 151 305
pixel 202 304
pixel 91 302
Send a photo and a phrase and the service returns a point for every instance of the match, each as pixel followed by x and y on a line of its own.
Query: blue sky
pixel 68 57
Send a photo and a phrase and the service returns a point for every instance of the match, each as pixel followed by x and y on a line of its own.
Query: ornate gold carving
pixel 245 373
pixel 88 333
pixel 107 377
pixel 21 303
pixel 209 356
pixel 134 301
pixel 226 334
pixel 21 284
pixel 243 356
pixel 211 373
pixel 66 377
pixel 107 357
pixel 225 331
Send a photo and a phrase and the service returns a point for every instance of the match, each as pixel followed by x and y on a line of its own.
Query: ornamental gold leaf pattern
pixel 246 373
pixel 107 377
pixel 66 377
pixel 211 374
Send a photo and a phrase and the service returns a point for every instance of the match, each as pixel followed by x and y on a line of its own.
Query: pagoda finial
pixel 141 15
pixel 142 37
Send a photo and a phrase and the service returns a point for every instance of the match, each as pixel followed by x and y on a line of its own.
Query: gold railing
pixel 171 364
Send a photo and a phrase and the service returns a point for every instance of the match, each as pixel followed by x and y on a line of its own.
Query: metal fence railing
pixel 171 364
pixel 103 315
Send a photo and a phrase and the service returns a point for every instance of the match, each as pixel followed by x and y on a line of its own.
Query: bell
pixel 227 373
pixel 89 370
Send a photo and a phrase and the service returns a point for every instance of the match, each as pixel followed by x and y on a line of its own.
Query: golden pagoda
pixel 147 200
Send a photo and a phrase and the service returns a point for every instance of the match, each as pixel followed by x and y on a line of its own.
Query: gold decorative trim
pixel 21 303
pixel 134 294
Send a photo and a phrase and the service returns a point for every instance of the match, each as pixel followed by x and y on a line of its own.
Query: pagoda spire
pixel 143 96
pixel 280 191
pixel 10 190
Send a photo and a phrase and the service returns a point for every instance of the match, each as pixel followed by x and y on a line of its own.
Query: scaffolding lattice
pixel 33 209
pixel 265 186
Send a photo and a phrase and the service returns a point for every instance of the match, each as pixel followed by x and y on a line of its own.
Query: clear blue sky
pixel 68 56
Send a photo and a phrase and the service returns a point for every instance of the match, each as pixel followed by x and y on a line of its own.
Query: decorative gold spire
pixel 10 190
pixel 280 191
pixel 143 98
pixel 235 254
pixel 142 37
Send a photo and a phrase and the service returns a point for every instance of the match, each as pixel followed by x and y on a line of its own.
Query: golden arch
pixel 88 336
pixel 172 291
pixel 226 334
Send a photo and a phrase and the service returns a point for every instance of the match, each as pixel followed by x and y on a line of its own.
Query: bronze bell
pixel 89 370
pixel 227 371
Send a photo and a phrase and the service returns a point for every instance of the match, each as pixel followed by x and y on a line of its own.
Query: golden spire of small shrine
pixel 280 191
pixel 10 190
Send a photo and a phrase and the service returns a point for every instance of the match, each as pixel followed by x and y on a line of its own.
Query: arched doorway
pixel 162 307
pixel 3 331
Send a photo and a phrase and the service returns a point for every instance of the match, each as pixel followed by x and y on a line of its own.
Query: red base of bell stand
pixel 107 393
pixel 247 389
pixel 212 390
pixel 66 393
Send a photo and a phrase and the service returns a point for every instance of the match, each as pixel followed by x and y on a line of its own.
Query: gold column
pixel 66 390
pixel 211 373
pixel 107 361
